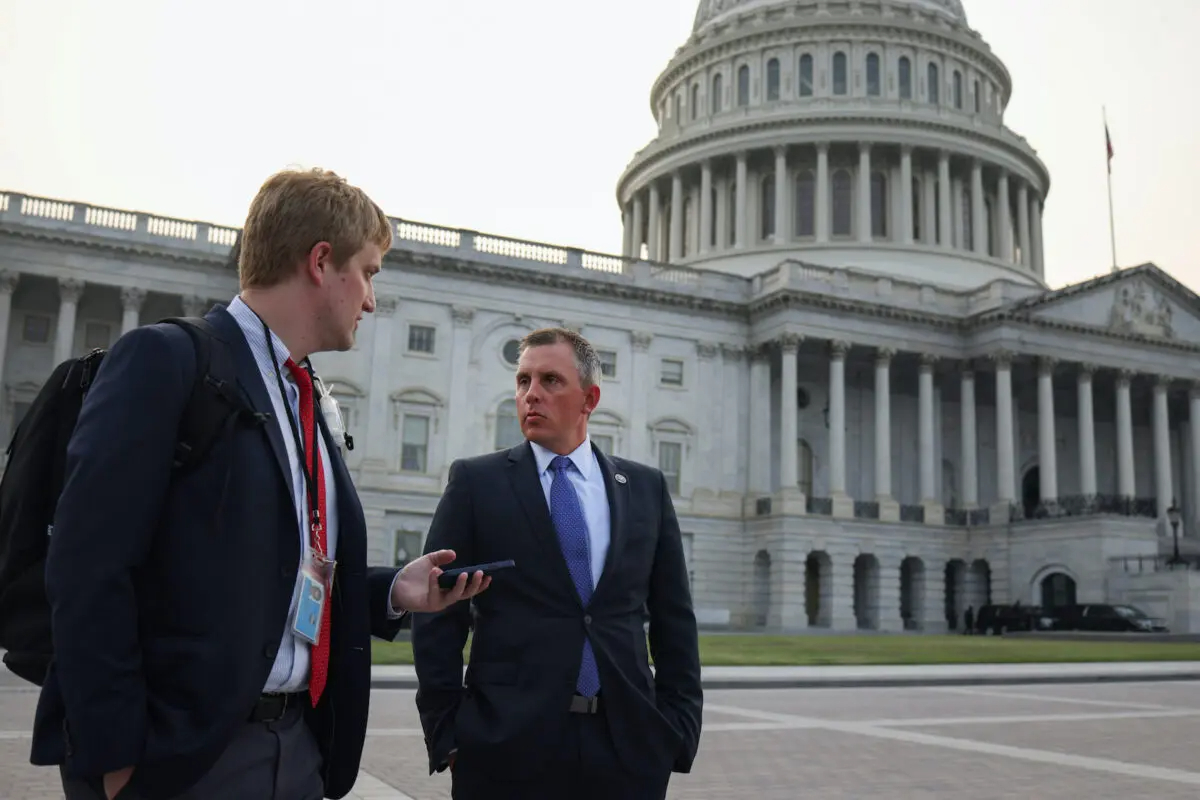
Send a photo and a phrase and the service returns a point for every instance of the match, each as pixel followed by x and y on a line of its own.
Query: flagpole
pixel 1112 230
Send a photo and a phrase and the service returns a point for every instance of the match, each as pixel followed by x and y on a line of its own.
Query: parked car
pixel 997 619
pixel 1107 618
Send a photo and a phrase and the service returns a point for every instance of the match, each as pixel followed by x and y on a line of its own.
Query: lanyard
pixel 310 471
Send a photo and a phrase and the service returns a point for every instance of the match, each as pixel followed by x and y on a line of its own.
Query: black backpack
pixel 33 480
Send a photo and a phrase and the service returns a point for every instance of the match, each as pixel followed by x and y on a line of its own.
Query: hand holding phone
pixel 448 578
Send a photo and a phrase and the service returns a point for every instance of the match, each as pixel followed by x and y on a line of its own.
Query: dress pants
pixel 276 760
pixel 585 767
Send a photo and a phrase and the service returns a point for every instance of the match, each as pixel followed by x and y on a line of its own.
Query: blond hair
pixel 296 209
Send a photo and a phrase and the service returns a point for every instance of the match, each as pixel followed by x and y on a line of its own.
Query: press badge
pixel 316 578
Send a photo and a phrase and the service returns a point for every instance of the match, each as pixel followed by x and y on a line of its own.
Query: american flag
pixel 1108 143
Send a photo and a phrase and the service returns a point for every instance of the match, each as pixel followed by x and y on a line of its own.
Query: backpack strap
pixel 215 404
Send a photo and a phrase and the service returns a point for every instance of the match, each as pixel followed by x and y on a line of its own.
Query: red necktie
pixel 320 653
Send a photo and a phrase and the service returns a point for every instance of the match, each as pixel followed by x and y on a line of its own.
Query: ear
pixel 591 399
pixel 319 262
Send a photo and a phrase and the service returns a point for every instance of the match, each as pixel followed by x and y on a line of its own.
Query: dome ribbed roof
pixel 710 11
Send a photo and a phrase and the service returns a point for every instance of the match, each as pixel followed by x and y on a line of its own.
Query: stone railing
pixel 136 227
pixel 1136 565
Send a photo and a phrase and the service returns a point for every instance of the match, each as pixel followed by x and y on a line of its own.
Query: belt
pixel 585 705
pixel 272 707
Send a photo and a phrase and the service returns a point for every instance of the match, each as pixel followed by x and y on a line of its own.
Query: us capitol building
pixel 829 326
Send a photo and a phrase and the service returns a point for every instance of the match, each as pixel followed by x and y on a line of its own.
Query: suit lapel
pixel 527 486
pixel 618 506
pixel 251 381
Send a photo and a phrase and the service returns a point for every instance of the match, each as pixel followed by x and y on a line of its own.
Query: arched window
pixel 958 90
pixel 806 75
pixel 873 79
pixel 916 209
pixel 773 79
pixel 934 96
pixel 840 82
pixel 694 107
pixel 905 78
pixel 743 85
pixel 879 205
pixel 767 207
pixel 718 87
pixel 841 203
pixel 806 206
pixel 508 426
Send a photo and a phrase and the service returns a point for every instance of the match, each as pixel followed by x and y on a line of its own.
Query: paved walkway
pixel 833 676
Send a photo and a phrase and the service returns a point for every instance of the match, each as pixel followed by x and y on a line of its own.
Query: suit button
pixel 270 650
pixel 587 619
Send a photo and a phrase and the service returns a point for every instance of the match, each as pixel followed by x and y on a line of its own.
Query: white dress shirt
pixel 588 482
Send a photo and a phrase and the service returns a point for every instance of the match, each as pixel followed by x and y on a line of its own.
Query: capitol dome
pixel 864 134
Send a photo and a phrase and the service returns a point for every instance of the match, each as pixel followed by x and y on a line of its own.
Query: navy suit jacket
pixel 530 625
pixel 169 602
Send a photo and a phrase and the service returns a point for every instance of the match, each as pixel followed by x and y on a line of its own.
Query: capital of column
pixel 1046 365
pixel 928 360
pixel 1002 358
pixel 8 281
pixel 780 149
pixel 1163 381
pixel 884 355
pixel 864 147
pixel 758 353
pixel 1086 370
pixel 386 304
pixel 70 290
pixel 641 341
pixel 732 352
pixel 1125 377
pixel 789 342
pixel 839 348
pixel 906 150
pixel 132 298
pixel 707 350
pixel 462 315
pixel 823 147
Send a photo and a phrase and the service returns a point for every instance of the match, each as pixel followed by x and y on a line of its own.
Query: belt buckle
pixel 282 700
pixel 585 705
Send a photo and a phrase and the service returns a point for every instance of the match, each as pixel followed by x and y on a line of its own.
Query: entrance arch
pixel 1058 590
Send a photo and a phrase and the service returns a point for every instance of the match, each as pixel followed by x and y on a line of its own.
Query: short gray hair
pixel 587 363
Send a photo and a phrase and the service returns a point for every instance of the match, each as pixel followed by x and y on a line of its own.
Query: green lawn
pixel 909 649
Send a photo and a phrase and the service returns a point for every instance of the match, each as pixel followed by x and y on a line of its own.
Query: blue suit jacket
pixel 168 602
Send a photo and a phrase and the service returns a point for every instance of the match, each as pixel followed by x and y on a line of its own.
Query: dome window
pixel 873 82
pixel 806 75
pixel 905 70
pixel 839 73
pixel 773 79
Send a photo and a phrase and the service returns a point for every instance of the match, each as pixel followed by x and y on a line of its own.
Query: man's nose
pixel 369 302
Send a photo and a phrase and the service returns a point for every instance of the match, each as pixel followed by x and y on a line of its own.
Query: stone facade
pixel 872 429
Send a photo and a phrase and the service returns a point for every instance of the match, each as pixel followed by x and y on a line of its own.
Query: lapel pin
pixel 619 478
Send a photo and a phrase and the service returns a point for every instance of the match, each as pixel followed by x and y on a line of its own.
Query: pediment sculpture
pixel 1140 308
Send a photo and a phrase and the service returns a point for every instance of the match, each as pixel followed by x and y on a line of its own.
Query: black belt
pixel 585 705
pixel 272 707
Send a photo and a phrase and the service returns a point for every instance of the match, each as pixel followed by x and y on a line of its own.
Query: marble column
pixel 1035 222
pixel 8 285
pixel 789 435
pixel 843 505
pixel 653 228
pixel 1126 487
pixel 1005 458
pixel 69 292
pixel 639 232
pixel 1087 433
pixel 889 509
pixel 978 210
pixel 945 206
pixel 1004 234
pixel 925 436
pixel 457 445
pixel 739 211
pixel 929 217
pixel 760 424
pixel 824 199
pixel 782 227
pixel 379 436
pixel 906 195
pixel 627 231
pixel 1023 237
pixel 1047 451
pixel 734 388
pixel 132 298
pixel 863 193
pixel 970 441
pixel 642 381
pixel 676 242
pixel 706 207
pixel 1163 485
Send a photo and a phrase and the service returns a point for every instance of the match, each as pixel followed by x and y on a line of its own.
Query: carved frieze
pixel 1140 308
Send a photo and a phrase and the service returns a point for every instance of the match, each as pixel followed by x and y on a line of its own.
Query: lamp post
pixel 1173 517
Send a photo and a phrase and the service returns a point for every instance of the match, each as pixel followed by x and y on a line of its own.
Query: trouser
pixel 275 760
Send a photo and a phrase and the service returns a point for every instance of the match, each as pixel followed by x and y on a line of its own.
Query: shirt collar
pixel 253 329
pixel 582 457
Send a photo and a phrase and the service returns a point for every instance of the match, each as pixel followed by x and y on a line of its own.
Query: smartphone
pixel 448 578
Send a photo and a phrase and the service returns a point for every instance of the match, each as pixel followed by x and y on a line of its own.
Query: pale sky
pixel 516 118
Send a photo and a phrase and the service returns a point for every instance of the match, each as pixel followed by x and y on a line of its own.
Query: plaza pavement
pixel 1129 736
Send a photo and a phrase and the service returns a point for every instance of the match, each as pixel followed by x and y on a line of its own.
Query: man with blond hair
pixel 212 628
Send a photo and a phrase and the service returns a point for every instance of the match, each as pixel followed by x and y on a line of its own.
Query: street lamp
pixel 1173 517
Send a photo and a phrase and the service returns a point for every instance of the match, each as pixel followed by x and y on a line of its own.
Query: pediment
pixel 1142 303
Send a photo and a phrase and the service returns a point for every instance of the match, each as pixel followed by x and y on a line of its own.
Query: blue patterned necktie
pixel 567 514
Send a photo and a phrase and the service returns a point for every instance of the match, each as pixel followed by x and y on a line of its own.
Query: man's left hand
pixel 416 588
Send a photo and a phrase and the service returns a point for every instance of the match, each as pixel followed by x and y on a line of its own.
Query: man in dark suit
pixel 559 700
pixel 182 667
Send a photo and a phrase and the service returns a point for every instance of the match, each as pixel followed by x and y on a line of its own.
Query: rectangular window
pixel 672 372
pixel 603 442
pixel 421 338
pixel 37 329
pixel 670 457
pixel 608 363
pixel 414 443
pixel 407 547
